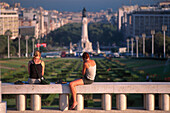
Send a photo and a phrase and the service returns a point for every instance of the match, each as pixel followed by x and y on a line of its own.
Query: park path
pixel 4 67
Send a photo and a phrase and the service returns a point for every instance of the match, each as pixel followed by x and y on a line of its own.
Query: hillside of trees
pixel 106 34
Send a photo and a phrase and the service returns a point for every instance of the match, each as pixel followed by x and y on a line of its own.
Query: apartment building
pixel 9 21
pixel 144 21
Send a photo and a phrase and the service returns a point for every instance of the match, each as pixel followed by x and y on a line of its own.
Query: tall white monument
pixel 86 45
pixel 71 47
pixel 98 48
pixel 41 20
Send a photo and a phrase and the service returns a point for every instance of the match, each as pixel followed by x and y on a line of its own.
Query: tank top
pixel 33 73
pixel 91 72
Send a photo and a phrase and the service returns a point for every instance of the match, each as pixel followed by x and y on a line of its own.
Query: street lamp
pixel 137 38
pixel 38 44
pixel 33 40
pixel 8 33
pixel 152 33
pixel 164 28
pixel 143 36
pixel 127 45
pixel 26 38
pixel 19 52
pixel 132 46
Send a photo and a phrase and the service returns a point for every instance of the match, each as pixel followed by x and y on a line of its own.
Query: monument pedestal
pixel 3 107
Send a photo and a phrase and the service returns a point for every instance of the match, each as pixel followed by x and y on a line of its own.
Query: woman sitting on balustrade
pixel 89 72
pixel 40 65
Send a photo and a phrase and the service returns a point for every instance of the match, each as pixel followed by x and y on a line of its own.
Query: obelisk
pixel 98 48
pixel 86 45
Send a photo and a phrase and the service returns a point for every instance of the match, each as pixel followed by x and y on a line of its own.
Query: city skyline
pixel 77 5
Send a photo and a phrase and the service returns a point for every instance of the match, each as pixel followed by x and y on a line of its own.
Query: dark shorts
pixel 87 81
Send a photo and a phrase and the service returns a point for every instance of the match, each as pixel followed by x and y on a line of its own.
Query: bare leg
pixel 74 92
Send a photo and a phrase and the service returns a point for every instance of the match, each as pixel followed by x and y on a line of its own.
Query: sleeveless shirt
pixel 91 72
pixel 33 73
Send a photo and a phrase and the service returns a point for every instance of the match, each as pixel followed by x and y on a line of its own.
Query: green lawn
pixel 160 68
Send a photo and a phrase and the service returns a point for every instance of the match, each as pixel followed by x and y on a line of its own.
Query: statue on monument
pixel 84 12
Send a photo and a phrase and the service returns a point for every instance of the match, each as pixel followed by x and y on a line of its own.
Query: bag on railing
pixel 60 81
pixel 43 80
pixel 18 82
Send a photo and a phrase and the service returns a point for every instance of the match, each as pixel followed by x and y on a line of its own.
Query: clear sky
pixel 77 5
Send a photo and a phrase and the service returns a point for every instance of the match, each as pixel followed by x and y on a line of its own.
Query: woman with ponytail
pixel 40 65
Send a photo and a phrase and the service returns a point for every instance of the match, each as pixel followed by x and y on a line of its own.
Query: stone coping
pixel 89 110
pixel 96 87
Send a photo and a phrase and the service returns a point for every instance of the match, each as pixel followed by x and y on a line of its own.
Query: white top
pixel 91 72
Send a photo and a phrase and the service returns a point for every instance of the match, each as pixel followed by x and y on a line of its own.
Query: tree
pixel 104 33
pixel 158 45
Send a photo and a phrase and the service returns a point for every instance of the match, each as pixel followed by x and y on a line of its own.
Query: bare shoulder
pixel 42 62
pixel 93 62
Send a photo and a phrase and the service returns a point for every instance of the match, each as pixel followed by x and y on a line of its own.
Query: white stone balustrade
pixel 149 89
pixel 2 104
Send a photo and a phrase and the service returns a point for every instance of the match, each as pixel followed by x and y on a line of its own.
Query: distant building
pixel 9 21
pixel 122 15
pixel 146 20
pixel 27 30
pixel 4 5
pixel 134 20
pixel 164 3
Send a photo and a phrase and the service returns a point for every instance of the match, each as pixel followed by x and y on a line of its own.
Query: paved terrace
pixel 148 89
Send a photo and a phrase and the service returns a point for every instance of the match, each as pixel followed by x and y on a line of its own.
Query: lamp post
pixel 132 46
pixel 137 38
pixel 8 33
pixel 38 44
pixel 8 47
pixel 26 38
pixel 33 40
pixel 164 28
pixel 19 47
pixel 152 33
pixel 143 36
pixel 127 45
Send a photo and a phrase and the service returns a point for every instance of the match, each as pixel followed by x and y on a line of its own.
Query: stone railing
pixel 2 104
pixel 148 89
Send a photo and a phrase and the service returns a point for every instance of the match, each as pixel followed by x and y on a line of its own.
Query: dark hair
pixel 36 53
pixel 85 55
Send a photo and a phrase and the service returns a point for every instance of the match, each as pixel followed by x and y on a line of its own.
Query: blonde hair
pixel 36 54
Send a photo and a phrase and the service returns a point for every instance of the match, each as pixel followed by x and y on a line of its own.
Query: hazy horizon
pixel 77 5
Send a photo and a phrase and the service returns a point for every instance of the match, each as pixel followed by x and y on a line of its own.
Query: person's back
pixel 91 70
pixel 33 72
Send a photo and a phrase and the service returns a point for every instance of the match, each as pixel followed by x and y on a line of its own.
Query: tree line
pixel 158 45
pixel 106 34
